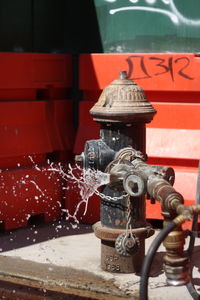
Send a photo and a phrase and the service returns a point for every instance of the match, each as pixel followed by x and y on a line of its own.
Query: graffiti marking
pixel 171 15
pixel 138 64
pixel 170 10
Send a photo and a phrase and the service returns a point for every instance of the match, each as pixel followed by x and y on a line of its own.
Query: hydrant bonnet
pixel 123 101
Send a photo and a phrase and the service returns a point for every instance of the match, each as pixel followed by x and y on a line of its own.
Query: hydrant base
pixel 111 261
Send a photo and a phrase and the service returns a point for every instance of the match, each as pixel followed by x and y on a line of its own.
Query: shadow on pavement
pixel 37 233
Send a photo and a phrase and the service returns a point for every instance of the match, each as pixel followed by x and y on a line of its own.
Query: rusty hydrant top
pixel 123 101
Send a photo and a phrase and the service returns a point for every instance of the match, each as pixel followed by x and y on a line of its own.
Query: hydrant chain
pixel 128 224
pixel 109 198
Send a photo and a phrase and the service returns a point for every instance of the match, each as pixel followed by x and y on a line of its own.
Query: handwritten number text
pixel 139 67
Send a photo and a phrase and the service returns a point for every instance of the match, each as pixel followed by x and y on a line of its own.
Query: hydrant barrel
pixel 122 111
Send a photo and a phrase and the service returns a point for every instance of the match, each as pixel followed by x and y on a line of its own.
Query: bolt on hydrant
pixel 123 111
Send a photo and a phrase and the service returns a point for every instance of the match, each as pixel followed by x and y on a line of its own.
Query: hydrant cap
pixel 123 101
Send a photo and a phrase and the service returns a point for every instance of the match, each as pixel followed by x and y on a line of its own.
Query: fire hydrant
pixel 123 111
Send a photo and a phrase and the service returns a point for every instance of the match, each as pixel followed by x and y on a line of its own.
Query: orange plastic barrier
pixel 29 192
pixel 35 124
pixel 34 75
pixel 153 71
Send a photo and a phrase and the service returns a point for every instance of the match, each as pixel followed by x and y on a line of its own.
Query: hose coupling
pixel 176 262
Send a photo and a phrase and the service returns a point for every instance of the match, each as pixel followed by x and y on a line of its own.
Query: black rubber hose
pixel 193 234
pixel 192 291
pixel 149 259
pixel 190 286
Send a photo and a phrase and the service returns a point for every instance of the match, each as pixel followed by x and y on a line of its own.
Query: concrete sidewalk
pixel 62 258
